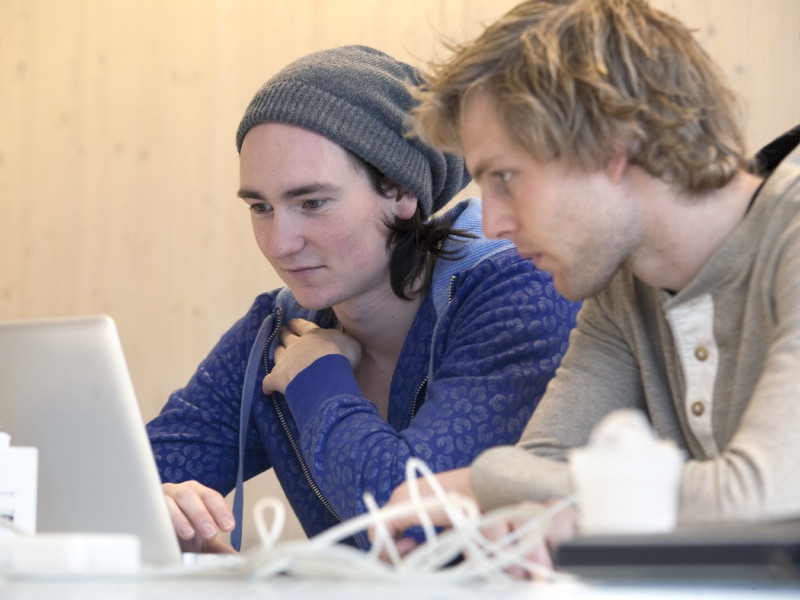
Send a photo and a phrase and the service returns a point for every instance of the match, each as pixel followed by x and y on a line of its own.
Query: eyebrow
pixel 295 192
pixel 479 170
pixel 486 163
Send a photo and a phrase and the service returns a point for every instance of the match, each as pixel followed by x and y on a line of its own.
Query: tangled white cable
pixel 461 552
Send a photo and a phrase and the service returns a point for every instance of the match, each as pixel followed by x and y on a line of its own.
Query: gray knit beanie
pixel 357 97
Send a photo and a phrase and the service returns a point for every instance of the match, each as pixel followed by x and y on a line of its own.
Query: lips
pixel 535 257
pixel 299 269
pixel 300 273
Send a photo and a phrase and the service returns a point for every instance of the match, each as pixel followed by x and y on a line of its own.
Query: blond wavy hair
pixel 582 80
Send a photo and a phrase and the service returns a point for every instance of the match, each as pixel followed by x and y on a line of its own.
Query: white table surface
pixel 291 588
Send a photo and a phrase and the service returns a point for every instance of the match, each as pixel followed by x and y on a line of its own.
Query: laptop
pixel 752 552
pixel 65 389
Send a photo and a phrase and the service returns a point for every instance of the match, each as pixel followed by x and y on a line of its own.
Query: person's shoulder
pixel 247 326
pixel 506 263
pixel 506 279
pixel 263 305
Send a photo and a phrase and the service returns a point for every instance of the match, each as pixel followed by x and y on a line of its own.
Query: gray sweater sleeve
pixel 598 375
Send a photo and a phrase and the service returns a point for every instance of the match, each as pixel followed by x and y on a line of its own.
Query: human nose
pixel 281 237
pixel 498 221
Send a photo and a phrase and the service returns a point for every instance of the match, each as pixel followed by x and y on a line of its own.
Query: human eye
pixel 312 204
pixel 259 208
pixel 502 176
pixel 500 181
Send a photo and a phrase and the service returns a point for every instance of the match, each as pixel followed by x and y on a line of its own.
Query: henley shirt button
pixel 698 408
pixel 701 353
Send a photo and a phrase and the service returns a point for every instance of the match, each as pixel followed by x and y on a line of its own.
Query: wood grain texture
pixel 118 169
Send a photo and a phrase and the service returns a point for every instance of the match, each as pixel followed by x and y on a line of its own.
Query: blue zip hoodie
pixel 485 342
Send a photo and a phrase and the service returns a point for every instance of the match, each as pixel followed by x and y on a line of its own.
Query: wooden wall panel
pixel 118 169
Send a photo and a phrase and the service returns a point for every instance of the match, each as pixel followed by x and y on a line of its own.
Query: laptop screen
pixel 65 390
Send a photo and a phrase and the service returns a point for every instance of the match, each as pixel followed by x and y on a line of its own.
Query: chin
pixel 313 302
pixel 571 294
pixel 578 291
pixel 312 305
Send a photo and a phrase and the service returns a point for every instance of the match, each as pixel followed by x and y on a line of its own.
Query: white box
pixel 70 554
pixel 18 480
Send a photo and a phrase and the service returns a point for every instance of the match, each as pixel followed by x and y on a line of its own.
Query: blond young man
pixel 608 148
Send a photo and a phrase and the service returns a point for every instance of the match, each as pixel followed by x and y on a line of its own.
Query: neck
pixel 682 232
pixel 380 324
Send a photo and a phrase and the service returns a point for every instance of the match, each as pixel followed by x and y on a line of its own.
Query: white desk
pixel 298 589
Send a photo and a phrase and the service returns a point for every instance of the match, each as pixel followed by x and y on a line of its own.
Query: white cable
pixel 382 539
pixel 512 549
pixel 463 543
pixel 269 535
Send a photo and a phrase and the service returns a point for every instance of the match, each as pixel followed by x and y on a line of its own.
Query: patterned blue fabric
pixel 500 337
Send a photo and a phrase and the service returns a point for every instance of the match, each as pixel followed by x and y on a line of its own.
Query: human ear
pixel 615 168
pixel 405 205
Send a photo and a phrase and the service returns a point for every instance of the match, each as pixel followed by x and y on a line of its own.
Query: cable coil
pixel 460 553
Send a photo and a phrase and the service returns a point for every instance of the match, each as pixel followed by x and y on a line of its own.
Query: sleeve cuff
pixel 328 376
pixel 506 475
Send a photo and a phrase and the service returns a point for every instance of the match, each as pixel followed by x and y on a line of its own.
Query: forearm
pixel 755 475
pixel 351 449
pixel 509 474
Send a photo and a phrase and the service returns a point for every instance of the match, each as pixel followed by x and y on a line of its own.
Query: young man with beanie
pixel 609 149
pixel 400 332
